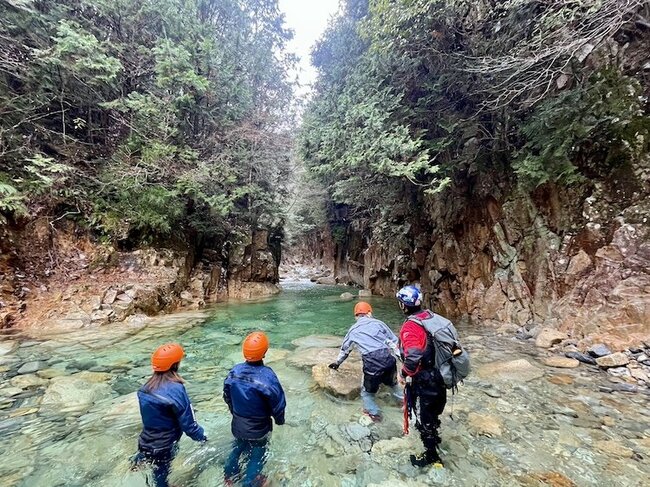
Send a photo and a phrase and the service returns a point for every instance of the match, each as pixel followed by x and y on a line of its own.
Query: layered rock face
pixel 59 278
pixel 573 259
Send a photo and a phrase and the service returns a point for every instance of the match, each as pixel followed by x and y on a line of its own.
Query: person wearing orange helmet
pixel 166 413
pixel 254 396
pixel 378 347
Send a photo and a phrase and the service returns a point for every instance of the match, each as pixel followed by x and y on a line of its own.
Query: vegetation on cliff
pixel 416 95
pixel 145 120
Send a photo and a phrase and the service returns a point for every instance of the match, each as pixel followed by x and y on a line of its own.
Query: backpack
pixel 453 367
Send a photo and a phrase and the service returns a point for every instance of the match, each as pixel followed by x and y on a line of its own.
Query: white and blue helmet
pixel 409 296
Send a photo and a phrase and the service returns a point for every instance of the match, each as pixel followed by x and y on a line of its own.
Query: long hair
pixel 159 378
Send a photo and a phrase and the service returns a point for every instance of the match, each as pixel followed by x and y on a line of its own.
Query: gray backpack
pixel 451 359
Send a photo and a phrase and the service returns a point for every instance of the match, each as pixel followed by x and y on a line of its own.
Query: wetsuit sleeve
pixel 413 340
pixel 277 400
pixel 186 419
pixel 346 348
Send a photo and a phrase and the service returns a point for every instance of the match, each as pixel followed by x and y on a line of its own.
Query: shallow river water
pixel 70 417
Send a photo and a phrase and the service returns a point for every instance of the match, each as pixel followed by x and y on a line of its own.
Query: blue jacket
pixel 166 414
pixel 254 395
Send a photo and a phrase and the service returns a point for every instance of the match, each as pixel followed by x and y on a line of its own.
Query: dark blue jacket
pixel 166 414
pixel 254 395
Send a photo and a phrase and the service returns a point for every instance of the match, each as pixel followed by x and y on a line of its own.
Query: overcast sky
pixel 308 19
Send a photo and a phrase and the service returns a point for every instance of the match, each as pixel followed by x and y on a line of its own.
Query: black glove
pixel 334 365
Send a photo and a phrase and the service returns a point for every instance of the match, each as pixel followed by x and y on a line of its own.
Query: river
pixel 70 417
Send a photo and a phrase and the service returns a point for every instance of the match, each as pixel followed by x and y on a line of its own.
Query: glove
pixel 334 366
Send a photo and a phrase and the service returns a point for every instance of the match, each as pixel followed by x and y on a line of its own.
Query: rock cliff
pixel 575 259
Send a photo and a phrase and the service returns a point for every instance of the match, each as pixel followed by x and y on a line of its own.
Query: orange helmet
pixel 166 356
pixel 255 346
pixel 362 308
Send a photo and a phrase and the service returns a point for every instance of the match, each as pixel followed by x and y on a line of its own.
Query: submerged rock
pixel 6 347
pixel 515 370
pixel 347 297
pixel 31 367
pixel 318 341
pixel 308 357
pixel 76 392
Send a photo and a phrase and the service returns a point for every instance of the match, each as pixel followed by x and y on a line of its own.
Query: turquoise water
pixel 74 421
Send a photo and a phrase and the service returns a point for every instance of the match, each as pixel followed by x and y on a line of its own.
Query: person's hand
pixel 401 380
pixel 334 366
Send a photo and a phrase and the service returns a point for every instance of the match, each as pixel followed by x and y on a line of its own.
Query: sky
pixel 308 19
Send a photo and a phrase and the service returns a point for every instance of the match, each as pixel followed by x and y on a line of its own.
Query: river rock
pixel 330 281
pixel 561 362
pixel 485 424
pixel 548 337
pixel 306 358
pixel 31 367
pixel 347 297
pixel 617 359
pixel 344 382
pixel 27 381
pixel 547 479
pixel 10 391
pixel 599 350
pixel 318 341
pixel 365 293
pixel 622 372
pixel 561 380
pixel 515 370
pixel 581 357
pixel 6 347
pixel 640 374
pixel 76 392
pixel 356 431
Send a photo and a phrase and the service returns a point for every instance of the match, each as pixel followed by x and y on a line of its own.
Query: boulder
pixel 512 371
pixel 617 359
pixel 561 362
pixel 347 297
pixel 548 337
pixel 365 293
pixel 27 381
pixel 344 382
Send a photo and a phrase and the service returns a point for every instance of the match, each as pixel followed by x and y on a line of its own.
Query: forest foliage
pixel 416 95
pixel 145 119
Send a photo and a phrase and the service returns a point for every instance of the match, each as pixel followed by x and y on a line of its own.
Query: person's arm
pixel 226 394
pixel 346 348
pixel 277 400
pixel 413 339
pixel 185 414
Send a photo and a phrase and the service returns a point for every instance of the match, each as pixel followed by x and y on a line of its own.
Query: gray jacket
pixel 369 335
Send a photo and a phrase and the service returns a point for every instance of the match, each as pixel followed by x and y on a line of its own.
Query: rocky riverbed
pixel 68 412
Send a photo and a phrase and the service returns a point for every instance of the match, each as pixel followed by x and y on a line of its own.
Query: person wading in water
pixel 166 413
pixel 377 344
pixel 254 396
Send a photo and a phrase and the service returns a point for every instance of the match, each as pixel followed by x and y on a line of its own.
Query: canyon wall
pixel 576 259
